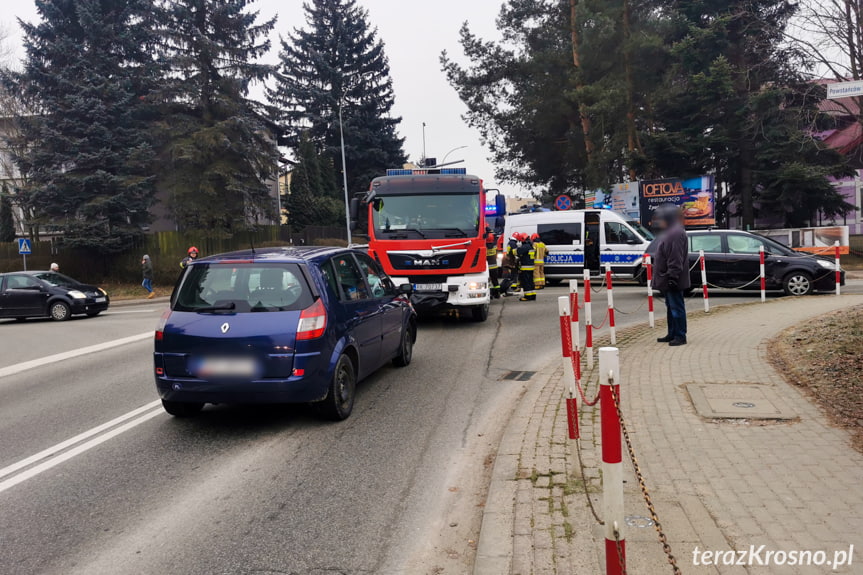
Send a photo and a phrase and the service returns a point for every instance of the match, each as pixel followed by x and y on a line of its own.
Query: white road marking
pixel 45 453
pixel 83 447
pixel 27 365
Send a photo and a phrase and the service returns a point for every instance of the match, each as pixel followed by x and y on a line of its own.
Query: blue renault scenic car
pixel 280 325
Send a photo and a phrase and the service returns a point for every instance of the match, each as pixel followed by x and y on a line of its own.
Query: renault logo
pixel 225 327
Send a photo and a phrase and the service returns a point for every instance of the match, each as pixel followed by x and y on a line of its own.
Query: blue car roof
pixel 290 254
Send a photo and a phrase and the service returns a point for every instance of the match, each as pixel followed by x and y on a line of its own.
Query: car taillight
pixel 160 327
pixel 313 321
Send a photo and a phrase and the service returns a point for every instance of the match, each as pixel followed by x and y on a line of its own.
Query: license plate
pixel 227 367
pixel 100 300
pixel 428 287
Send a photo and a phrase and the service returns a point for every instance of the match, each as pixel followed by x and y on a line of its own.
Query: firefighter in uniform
pixel 525 276
pixel 510 266
pixel 491 257
pixel 540 251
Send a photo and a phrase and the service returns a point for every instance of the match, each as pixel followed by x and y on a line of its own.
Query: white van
pixel 579 239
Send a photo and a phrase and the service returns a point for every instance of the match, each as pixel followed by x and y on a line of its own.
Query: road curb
pixel 495 542
pixel 494 551
pixel 136 302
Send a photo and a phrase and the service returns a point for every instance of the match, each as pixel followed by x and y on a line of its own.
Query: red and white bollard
pixel 838 270
pixel 568 373
pixel 704 281
pixel 648 265
pixel 588 321
pixel 576 335
pixel 611 328
pixel 761 272
pixel 612 462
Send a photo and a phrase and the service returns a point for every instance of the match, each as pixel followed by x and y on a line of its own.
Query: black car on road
pixel 732 260
pixel 48 294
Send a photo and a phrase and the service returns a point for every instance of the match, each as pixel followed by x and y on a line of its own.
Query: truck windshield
pixel 427 216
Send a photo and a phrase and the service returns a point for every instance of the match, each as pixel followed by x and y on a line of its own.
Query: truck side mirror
pixel 500 204
pixel 355 210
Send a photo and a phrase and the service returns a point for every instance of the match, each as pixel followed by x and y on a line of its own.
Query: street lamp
pixel 450 152
pixel 344 167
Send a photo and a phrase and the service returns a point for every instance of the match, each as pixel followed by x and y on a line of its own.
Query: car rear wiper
pixel 226 307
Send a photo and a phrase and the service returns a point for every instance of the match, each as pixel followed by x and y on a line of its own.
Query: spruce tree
pixel 313 189
pixel 338 61
pixel 219 149
pixel 7 218
pixel 89 158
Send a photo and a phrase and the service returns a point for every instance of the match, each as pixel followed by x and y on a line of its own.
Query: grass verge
pixel 825 359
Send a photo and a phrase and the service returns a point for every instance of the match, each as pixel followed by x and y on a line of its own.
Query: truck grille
pixel 414 261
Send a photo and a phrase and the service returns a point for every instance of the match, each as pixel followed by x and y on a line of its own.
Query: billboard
pixel 695 196
pixel 812 240
pixel 622 198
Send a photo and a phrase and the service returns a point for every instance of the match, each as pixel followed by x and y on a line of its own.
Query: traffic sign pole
pixel 24 249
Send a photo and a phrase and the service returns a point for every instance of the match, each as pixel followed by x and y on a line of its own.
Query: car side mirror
pixel 406 289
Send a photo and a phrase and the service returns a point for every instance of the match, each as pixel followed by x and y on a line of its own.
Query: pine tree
pixel 338 61
pixel 736 104
pixel 89 156
pixel 219 146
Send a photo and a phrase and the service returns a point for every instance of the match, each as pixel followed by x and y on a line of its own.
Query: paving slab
pixel 723 478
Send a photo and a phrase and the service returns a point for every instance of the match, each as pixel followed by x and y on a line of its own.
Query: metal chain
pixel 575 369
pixel 619 551
pixel 662 538
pixel 636 310
pixel 584 481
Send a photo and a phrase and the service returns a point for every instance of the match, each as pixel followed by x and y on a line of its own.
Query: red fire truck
pixel 427 228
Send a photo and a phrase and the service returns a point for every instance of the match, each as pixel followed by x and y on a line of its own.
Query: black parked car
pixel 732 260
pixel 48 294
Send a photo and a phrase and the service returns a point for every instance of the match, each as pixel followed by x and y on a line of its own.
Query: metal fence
pixel 166 250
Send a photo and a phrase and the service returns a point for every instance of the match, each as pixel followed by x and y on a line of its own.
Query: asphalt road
pixel 95 478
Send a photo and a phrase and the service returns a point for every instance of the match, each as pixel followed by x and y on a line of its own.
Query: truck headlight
pixel 477 286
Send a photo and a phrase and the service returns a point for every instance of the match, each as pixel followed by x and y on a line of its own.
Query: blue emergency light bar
pixel 425 172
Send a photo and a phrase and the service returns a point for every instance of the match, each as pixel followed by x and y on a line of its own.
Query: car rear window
pixel 243 288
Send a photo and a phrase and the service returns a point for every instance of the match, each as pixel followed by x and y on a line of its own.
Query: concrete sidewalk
pixel 717 483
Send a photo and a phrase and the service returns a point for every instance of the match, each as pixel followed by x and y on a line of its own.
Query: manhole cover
pixel 519 375
pixel 638 521
pixel 738 401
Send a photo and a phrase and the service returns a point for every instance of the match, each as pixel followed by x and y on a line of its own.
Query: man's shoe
pixel 665 339
pixel 677 342
pixel 523 299
pixel 152 295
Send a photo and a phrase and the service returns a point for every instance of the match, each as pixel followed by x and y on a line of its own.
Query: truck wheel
pixel 479 312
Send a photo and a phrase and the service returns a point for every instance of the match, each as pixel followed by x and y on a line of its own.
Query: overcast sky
pixel 414 33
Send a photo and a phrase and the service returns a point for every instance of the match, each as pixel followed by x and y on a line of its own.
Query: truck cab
pixel 426 228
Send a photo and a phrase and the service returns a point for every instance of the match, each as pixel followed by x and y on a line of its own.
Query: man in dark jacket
pixel 671 271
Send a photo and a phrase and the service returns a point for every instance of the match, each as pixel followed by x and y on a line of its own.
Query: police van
pixel 585 239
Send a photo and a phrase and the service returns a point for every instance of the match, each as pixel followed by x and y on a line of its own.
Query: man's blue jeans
pixel 675 306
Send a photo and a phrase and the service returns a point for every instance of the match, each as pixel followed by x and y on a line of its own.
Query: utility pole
pixel 424 145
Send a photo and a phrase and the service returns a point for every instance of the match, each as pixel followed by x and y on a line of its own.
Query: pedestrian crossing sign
pixel 24 246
